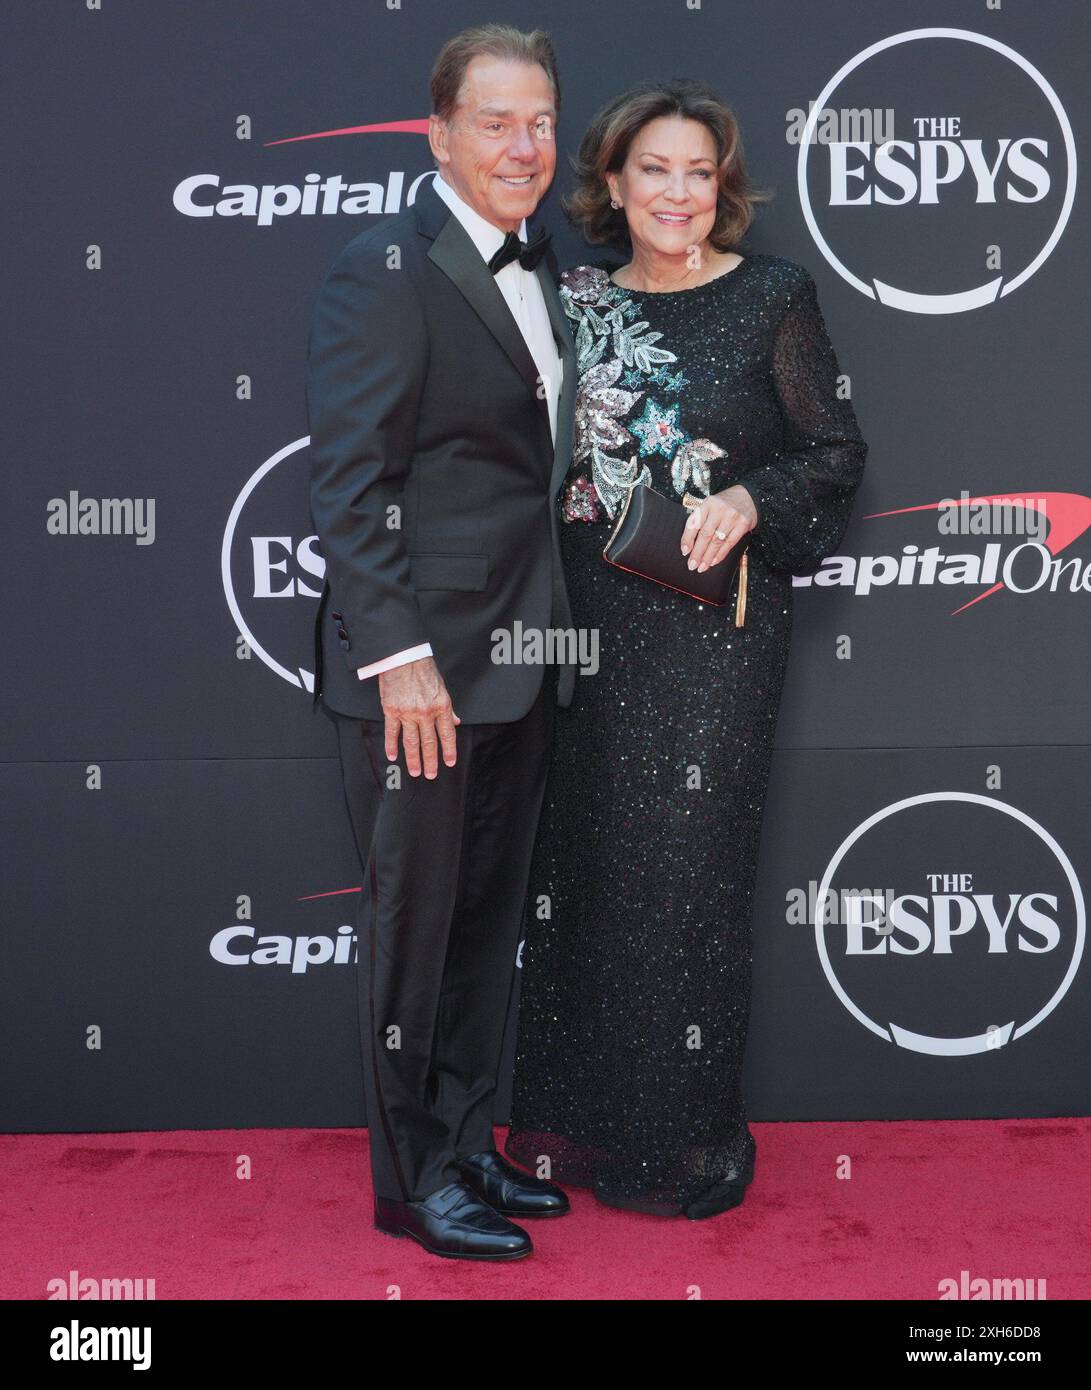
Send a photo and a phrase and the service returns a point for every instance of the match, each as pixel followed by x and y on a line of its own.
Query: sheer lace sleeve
pixel 804 496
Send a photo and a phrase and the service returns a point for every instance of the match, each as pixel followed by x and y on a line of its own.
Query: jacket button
pixel 342 633
pixel 336 617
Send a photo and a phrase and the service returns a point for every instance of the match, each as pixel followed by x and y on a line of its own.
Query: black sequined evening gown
pixel 635 991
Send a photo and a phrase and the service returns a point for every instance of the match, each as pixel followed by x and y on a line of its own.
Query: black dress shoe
pixel 509 1190
pixel 455 1222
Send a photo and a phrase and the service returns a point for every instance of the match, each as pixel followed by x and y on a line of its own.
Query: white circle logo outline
pixel 962 300
pixel 304 679
pixel 982 1042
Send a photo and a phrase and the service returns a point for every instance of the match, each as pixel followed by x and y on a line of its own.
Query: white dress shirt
pixel 523 296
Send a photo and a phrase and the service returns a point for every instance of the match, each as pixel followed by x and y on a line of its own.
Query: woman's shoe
pixel 722 1196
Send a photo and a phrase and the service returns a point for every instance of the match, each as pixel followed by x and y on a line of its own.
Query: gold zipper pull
pixel 740 602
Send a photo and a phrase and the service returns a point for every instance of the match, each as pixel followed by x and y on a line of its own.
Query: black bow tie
pixel 527 253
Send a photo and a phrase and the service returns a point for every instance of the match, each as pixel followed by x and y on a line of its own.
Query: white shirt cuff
pixel 398 659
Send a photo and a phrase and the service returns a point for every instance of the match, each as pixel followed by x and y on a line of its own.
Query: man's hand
pixel 416 703
pixel 731 513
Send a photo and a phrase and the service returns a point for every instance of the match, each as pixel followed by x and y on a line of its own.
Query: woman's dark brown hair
pixel 605 148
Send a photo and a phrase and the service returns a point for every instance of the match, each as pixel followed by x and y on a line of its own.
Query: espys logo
pixel 979 942
pixel 267 559
pixel 315 195
pixel 1015 565
pixel 972 197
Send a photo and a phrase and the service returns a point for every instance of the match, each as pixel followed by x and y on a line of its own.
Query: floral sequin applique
pixel 604 316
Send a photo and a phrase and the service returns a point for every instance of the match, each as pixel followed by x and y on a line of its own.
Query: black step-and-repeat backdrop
pixel 179 881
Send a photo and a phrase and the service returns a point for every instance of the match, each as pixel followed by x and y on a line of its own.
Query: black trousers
pixel 446 864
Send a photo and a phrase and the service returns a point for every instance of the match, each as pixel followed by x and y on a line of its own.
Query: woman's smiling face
pixel 668 186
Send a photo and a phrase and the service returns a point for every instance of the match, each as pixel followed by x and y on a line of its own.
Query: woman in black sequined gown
pixel 635 989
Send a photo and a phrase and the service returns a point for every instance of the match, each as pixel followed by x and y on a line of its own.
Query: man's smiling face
pixel 498 151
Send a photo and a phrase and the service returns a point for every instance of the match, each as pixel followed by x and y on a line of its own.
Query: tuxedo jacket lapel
pixel 562 453
pixel 455 253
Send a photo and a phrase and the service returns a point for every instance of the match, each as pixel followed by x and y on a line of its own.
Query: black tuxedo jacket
pixel 433 472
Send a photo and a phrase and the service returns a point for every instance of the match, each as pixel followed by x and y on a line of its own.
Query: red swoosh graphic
pixel 1068 515
pixel 389 127
pixel 333 893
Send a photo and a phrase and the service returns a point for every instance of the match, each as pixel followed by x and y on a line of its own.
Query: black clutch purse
pixel 647 540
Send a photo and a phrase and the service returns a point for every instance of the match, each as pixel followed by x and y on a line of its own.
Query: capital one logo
pixel 269 561
pixel 969 197
pixel 977 937
pixel 309 195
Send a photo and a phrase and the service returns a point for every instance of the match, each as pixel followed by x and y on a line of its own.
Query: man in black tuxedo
pixel 441 393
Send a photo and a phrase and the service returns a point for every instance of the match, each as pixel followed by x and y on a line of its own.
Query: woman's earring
pixel 614 205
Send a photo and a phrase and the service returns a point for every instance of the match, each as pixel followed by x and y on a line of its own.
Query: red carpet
pixel 1000 1199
